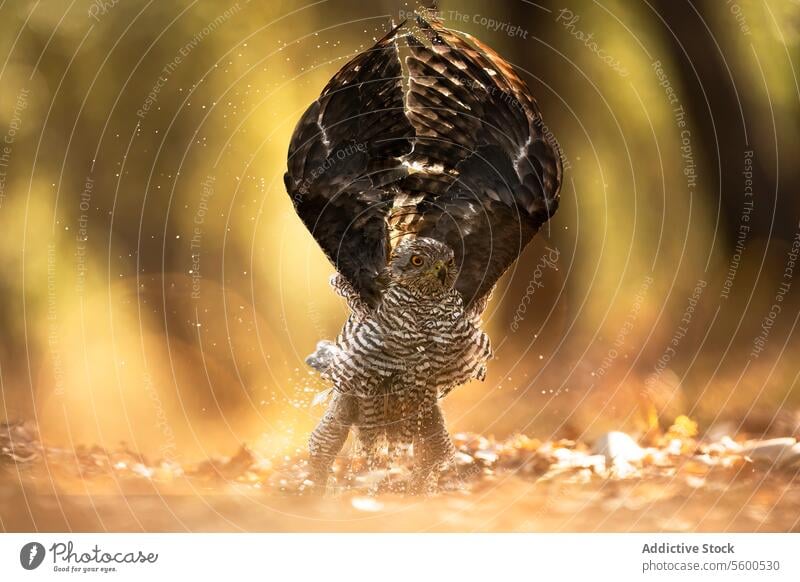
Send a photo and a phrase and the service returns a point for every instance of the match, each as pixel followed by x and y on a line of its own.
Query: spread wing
pixel 461 156
pixel 344 157
pixel 490 171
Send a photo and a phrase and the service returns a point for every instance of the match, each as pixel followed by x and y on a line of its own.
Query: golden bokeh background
pixel 158 289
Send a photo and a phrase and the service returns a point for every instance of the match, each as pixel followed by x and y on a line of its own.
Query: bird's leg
pixel 370 439
pixel 432 449
pixel 329 437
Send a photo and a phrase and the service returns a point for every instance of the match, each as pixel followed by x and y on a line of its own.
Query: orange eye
pixel 416 260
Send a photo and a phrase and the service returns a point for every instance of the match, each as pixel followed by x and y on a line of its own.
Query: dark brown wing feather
pixel 491 172
pixel 464 159
pixel 344 156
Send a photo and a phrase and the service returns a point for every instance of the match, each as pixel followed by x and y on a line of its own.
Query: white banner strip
pixel 401 557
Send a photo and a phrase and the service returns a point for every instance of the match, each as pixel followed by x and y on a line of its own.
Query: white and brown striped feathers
pixel 414 348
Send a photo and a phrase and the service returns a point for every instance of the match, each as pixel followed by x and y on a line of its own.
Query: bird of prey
pixel 422 179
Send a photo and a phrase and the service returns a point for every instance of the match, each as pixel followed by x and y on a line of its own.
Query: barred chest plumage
pixel 423 325
pixel 416 345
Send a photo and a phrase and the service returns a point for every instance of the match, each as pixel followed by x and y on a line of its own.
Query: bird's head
pixel 424 265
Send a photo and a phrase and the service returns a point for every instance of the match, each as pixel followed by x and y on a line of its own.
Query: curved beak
pixel 439 271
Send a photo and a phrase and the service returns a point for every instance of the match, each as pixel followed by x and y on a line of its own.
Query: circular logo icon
pixel 31 555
